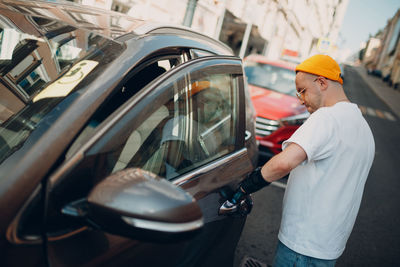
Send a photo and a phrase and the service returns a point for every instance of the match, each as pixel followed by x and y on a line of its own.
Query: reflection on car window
pixel 271 77
pixel 195 124
pixel 37 71
pixel 146 74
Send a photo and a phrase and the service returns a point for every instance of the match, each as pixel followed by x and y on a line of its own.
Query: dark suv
pixel 119 140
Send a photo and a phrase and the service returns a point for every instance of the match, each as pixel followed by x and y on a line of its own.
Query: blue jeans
pixel 285 257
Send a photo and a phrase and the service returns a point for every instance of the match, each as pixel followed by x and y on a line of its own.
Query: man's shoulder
pixel 336 111
pixel 321 114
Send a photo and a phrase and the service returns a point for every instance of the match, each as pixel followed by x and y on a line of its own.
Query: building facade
pixel 386 58
pixel 291 29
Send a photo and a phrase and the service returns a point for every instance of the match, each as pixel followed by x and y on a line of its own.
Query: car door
pixel 196 112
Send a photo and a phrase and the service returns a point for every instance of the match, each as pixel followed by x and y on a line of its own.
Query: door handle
pixel 247 135
pixel 242 208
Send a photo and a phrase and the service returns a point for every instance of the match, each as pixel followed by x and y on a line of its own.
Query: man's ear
pixel 323 83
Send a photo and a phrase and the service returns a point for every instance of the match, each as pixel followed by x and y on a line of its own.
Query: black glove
pixel 253 182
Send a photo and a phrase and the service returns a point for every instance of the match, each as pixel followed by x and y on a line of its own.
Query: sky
pixel 364 18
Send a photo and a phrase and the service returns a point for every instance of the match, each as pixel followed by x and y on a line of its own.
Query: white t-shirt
pixel 323 194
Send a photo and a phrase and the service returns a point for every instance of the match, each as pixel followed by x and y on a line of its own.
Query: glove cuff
pixel 254 182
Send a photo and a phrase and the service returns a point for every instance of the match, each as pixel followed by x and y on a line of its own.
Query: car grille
pixel 265 127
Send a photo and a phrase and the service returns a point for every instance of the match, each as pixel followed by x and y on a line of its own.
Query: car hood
pixel 273 105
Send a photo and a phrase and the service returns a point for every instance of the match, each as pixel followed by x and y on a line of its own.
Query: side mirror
pixel 138 204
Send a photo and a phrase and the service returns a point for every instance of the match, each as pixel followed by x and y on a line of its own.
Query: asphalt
pixel 387 94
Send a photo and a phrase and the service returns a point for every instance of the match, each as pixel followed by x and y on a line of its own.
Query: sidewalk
pixel 386 93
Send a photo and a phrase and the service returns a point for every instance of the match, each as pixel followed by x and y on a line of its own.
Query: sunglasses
pixel 300 94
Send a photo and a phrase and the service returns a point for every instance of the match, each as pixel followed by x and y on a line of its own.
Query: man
pixel 328 158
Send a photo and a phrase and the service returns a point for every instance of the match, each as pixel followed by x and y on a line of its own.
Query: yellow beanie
pixel 321 65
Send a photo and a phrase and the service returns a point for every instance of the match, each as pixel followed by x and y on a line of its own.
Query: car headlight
pixel 295 120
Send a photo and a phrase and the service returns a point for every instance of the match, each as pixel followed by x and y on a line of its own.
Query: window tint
pixel 192 126
pixel 142 75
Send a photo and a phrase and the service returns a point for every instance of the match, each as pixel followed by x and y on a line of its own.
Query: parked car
pixel 273 93
pixel 375 72
pixel 93 105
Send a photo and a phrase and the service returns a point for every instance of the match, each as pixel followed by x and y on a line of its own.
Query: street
pixel 375 240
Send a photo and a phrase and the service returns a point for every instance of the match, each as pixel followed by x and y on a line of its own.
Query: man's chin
pixel 309 109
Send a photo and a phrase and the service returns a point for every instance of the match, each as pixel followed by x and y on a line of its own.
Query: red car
pixel 273 93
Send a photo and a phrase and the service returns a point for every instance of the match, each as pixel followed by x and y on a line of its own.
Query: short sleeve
pixel 316 136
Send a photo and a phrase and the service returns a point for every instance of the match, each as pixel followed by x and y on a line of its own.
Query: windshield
pixel 40 66
pixel 271 77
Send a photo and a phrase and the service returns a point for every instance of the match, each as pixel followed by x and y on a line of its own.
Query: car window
pixel 39 69
pixel 193 123
pixel 192 126
pixel 271 77
pixel 141 76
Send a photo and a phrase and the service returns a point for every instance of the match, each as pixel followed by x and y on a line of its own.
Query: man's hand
pixel 254 182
